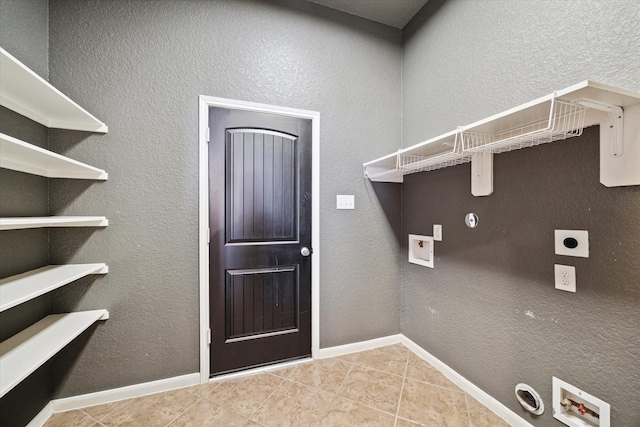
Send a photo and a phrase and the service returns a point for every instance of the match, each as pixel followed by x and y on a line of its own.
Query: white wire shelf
pixel 565 120
pixel 560 115
pixel 437 153
pixel 26 93
pixel 24 287
pixel 24 157
pixel 440 152
pixel 26 351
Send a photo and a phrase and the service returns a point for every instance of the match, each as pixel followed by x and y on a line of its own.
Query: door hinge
pixel 209 336
pixel 208 236
pixel 208 134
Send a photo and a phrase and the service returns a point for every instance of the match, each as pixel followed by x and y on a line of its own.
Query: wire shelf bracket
pixel 620 146
pixel 614 124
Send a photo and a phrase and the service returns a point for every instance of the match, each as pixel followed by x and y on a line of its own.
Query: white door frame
pixel 205 103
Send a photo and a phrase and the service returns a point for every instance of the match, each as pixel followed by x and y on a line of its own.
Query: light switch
pixel 437 232
pixel 345 201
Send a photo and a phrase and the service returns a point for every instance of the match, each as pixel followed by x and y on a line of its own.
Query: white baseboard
pixel 116 394
pixel 498 408
pixel 341 350
pixel 42 417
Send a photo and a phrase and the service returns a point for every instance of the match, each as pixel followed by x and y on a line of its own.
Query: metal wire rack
pixel 565 120
pixel 431 157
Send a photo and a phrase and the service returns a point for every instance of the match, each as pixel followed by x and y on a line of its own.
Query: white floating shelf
pixel 24 157
pixel 559 115
pixel 23 287
pixel 52 221
pixel 26 351
pixel 26 93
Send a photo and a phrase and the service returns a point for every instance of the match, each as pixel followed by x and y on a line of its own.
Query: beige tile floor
pixel 387 386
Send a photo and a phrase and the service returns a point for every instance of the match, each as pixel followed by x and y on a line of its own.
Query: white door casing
pixel 206 102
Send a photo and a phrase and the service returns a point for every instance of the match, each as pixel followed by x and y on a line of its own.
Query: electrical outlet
pixel 345 201
pixel 565 277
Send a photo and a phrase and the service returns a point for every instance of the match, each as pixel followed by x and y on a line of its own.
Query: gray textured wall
pixel 489 309
pixel 475 58
pixel 24 34
pixel 140 69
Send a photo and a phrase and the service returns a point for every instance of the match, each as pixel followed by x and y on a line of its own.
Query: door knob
pixel 305 251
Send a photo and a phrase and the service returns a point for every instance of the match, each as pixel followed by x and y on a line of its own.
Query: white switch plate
pixel 565 277
pixel 437 232
pixel 582 237
pixel 345 201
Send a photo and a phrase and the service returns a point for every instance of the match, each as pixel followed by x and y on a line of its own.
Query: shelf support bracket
pixel 482 173
pixel 614 125
pixel 619 143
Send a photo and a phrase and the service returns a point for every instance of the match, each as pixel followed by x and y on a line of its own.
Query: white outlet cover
pixel 565 277
pixel 582 236
pixel 437 232
pixel 344 201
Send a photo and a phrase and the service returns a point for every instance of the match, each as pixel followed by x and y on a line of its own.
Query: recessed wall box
pixel 572 243
pixel 529 399
pixel 577 408
pixel 421 250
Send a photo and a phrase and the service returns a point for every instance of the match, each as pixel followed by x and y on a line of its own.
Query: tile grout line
pixel 376 369
pixel 404 378
pixel 466 399
pixel 232 410
pixel 198 399
pixel 111 412
pixel 90 416
pixel 439 386
pixel 335 394
pixel 268 397
pixel 339 396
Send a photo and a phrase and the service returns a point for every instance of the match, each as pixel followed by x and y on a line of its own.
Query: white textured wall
pixel 489 309
pixel 139 66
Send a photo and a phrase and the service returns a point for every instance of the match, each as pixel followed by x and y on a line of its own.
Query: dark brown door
pixel 260 224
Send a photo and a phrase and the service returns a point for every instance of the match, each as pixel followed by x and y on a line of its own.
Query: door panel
pixel 261 301
pixel 261 186
pixel 259 219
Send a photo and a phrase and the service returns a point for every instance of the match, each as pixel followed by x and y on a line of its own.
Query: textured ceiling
pixel 391 12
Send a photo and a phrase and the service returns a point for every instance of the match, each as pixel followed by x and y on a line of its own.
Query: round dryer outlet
pixel 529 399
